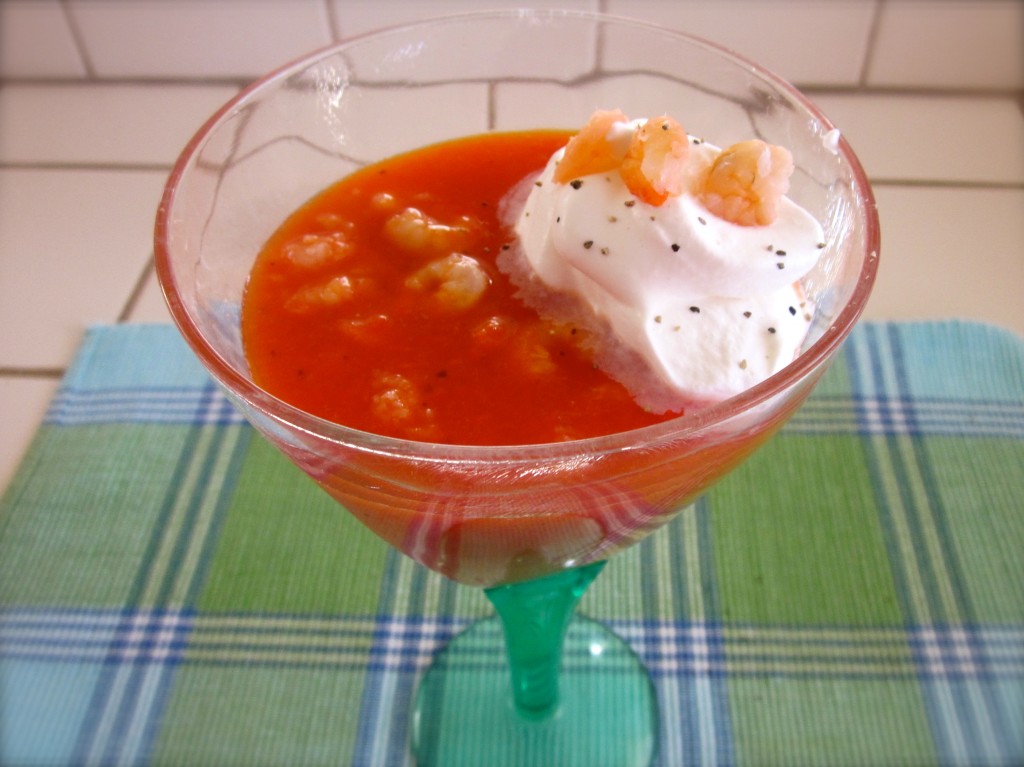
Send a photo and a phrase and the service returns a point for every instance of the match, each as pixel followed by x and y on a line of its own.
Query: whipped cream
pixel 697 308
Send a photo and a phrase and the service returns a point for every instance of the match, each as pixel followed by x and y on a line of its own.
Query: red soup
pixel 378 305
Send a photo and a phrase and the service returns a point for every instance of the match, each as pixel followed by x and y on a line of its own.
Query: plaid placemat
pixel 174 592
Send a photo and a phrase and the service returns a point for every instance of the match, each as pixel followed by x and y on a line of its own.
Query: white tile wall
pixel 953 43
pixel 951 252
pixel 929 138
pixel 356 17
pixel 828 47
pixel 36 41
pixel 196 38
pixel 31 395
pixel 97 97
pixel 99 123
pixel 73 246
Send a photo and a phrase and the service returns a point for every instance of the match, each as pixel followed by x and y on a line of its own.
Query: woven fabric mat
pixel 174 592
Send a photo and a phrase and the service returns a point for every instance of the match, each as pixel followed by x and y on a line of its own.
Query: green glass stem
pixel 535 615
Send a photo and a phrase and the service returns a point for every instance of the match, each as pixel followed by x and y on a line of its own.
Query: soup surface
pixel 378 305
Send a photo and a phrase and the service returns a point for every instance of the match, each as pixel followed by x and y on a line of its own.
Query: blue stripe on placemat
pixel 871 415
pixel 373 731
pixel 138 374
pixel 700 697
pixel 130 356
pixel 668 648
pixel 201 405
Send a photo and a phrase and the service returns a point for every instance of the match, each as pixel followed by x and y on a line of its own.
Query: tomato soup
pixel 378 305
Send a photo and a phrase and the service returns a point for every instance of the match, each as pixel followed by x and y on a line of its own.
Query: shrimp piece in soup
pixel 457 281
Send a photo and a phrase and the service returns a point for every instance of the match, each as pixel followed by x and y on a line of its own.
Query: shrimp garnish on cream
pixel 654 167
pixel 746 181
pixel 743 184
pixel 590 151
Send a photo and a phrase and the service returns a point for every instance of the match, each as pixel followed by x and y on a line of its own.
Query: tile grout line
pixel 130 167
pixel 43 373
pixel 136 291
pixel 907 91
pixel 334 26
pixel 858 88
pixel 938 183
pixel 237 81
pixel 869 48
pixel 79 41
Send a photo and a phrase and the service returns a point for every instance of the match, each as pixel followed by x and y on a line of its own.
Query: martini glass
pixel 533 524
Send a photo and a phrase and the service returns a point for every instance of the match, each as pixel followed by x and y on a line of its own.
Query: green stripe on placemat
pixel 174 592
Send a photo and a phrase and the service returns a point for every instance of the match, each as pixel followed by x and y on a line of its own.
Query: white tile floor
pixel 98 96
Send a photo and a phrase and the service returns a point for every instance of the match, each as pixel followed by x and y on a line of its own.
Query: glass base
pixel 464 713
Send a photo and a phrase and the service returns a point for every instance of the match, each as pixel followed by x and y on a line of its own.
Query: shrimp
pixel 654 167
pixel 746 181
pixel 399 403
pixel 458 281
pixel 413 230
pixel 334 291
pixel 589 151
pixel 313 250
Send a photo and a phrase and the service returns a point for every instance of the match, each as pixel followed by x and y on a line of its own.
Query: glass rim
pixel 687 425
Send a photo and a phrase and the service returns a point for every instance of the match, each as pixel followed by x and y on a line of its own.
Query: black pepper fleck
pixel 604 251
pixel 675 247
pixel 576 184
pixel 695 309
pixel 538 183
pixel 588 244
pixel 771 330
pixel 780 265
pixel 629 203
pixel 792 310
pixel 780 253
pixel 821 245
pixel 747 315
pixel 657 319
pixel 702 221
